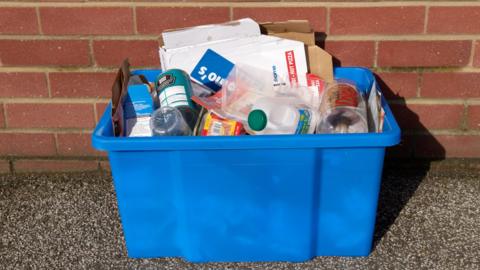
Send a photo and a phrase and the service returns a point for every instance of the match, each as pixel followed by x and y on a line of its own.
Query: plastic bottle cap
pixel 257 120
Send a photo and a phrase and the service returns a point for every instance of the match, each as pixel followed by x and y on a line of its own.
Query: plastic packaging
pixel 342 110
pixel 214 124
pixel 246 84
pixel 281 116
pixel 169 121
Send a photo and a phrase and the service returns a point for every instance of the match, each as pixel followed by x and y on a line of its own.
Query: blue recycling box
pixel 249 198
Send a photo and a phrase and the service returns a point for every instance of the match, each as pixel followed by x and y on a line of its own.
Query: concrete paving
pixel 426 220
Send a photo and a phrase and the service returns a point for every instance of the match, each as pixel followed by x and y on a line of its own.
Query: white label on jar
pixel 173 96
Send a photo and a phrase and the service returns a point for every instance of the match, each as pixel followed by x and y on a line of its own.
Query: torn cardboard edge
pixel 319 61
pixel 189 36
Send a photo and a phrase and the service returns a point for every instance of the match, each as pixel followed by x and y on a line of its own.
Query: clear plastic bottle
pixel 174 89
pixel 168 121
pixel 342 110
pixel 280 116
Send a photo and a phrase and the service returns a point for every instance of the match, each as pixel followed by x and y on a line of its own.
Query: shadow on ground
pixel 396 191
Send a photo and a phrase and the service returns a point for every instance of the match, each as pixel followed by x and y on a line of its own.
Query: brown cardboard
pixel 319 61
pixel 119 90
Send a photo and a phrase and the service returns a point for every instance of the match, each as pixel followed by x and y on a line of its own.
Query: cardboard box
pixel 319 61
pixel 138 107
pixel 238 42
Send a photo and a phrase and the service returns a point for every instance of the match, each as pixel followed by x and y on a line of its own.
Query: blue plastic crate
pixel 249 198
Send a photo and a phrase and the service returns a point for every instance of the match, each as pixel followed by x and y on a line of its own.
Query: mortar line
pixel 39 21
pixel 46 131
pixel 55 158
pixel 230 10
pixel 95 114
pixel 78 37
pixel 473 101
pixel 380 37
pixel 134 15
pixel 327 23
pixel 42 69
pixel 408 37
pixel 375 56
pixel 448 132
pixel 11 167
pixel 425 23
pixel 56 143
pixel 57 69
pixel 428 101
pixel 472 53
pixel 249 4
pixel 464 121
pixel 428 69
pixel 4 110
pixel 91 58
pixel 53 100
pixel 419 84
pixel 49 88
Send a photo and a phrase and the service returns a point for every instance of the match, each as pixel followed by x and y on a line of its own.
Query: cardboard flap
pixel 307 38
pixel 320 63
pixel 294 29
pixel 119 90
pixel 300 26
pixel 208 33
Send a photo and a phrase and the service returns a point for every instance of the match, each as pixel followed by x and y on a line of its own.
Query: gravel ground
pixel 70 221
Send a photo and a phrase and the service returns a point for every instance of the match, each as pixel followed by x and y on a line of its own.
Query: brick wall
pixel 57 62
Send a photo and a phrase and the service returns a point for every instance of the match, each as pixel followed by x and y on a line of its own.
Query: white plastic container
pixel 280 116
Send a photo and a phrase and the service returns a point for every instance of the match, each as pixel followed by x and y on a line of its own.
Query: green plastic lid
pixel 257 120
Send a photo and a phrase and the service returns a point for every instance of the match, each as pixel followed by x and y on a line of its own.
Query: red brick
pixel 87 21
pixel 315 15
pixel 450 85
pixel 424 53
pixel 4 166
pixel 27 144
pixel 398 85
pixel 50 115
pixel 88 84
pixel 476 59
pixel 100 107
pixel 76 145
pixel 27 165
pixel 352 53
pixel 44 52
pixel 474 117
pixel 454 20
pixel 441 146
pixel 424 117
pixel 377 20
pixel 139 52
pixel 18 21
pixel 23 84
pixel 2 116
pixel 153 20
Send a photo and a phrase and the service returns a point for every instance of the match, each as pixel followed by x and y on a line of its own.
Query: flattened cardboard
pixel 190 36
pixel 319 61
pixel 119 90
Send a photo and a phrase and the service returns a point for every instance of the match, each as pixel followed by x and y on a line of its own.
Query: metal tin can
pixel 174 89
